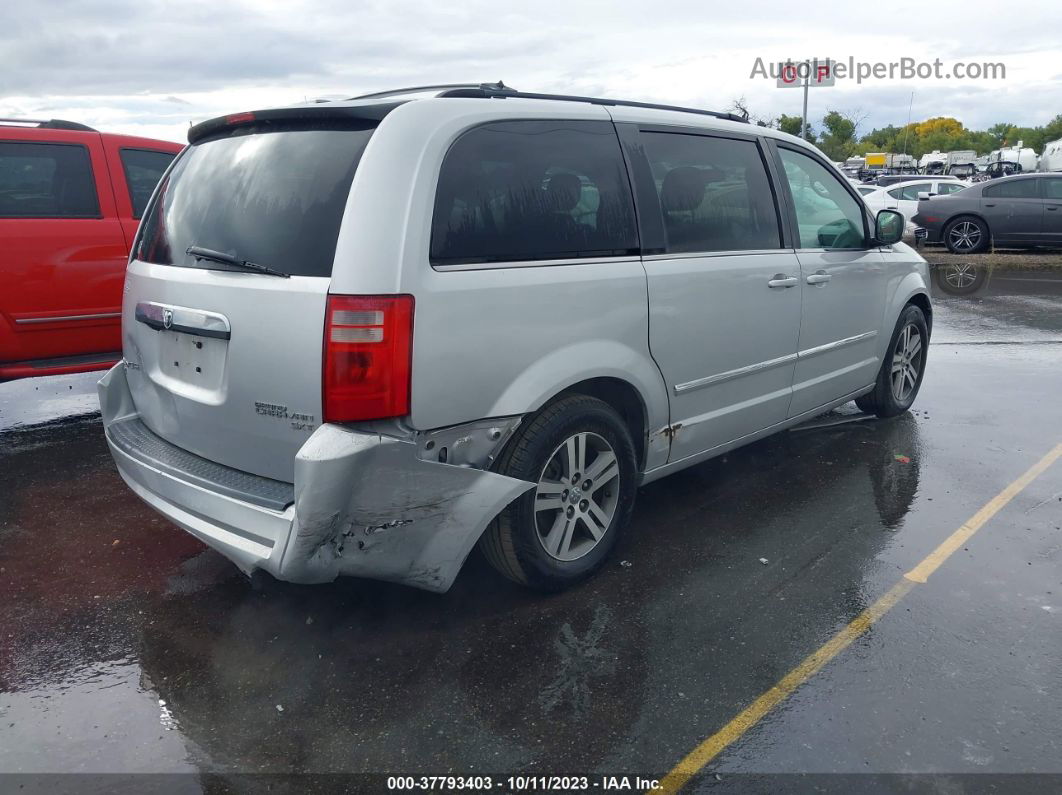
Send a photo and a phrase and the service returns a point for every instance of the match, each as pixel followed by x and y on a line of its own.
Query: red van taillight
pixel 368 345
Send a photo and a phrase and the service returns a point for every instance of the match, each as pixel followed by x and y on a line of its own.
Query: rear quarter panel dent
pixel 561 368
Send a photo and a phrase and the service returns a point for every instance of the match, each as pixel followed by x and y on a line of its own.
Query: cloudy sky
pixel 150 68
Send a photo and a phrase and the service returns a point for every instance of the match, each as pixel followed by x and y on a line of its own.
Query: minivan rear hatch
pixel 226 290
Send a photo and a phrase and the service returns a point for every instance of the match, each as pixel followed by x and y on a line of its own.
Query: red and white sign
pixel 819 72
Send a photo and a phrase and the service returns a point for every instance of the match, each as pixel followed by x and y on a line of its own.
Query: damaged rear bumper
pixel 363 503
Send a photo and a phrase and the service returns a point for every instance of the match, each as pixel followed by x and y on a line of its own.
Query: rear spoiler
pixel 310 113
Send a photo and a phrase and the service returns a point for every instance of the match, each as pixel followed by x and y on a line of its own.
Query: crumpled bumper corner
pixel 366 505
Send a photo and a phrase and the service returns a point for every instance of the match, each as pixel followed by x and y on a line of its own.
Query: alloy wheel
pixel 965 236
pixel 906 362
pixel 577 496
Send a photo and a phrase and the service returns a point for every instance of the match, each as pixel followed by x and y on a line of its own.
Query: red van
pixel 70 202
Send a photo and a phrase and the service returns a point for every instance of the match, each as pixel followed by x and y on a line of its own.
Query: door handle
pixel 781 280
pixel 819 277
pixel 1052 208
pixel 993 204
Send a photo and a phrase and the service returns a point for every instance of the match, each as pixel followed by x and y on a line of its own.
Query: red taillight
pixel 368 345
pixel 930 218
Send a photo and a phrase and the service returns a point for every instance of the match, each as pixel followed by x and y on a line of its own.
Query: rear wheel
pixel 966 235
pixel 581 457
pixel 901 373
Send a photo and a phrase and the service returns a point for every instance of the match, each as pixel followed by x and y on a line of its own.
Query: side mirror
pixel 888 227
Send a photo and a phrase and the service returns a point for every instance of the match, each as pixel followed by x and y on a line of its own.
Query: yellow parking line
pixel 934 559
pixel 704 753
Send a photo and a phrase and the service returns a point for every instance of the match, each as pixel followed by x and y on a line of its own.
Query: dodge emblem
pixel 167 318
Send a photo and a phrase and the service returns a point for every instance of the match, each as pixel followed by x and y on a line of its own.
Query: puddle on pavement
pixel 33 401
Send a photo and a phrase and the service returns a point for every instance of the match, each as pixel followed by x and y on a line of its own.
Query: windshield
pixel 273 197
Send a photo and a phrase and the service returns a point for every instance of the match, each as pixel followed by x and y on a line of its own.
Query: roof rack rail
pixel 444 87
pixel 487 90
pixel 49 124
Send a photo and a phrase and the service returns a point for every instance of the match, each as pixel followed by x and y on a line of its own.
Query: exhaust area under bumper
pixel 363 503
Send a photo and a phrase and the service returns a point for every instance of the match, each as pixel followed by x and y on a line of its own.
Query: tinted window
pixel 949 187
pixel 1053 188
pixel 828 216
pixel 527 190
pixel 143 169
pixel 46 181
pixel 1012 189
pixel 714 193
pixel 272 197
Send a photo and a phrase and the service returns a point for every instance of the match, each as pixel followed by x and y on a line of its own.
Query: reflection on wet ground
pixel 128 646
pixel 34 401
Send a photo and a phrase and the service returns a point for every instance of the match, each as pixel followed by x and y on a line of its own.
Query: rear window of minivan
pixel 269 194
pixel 533 190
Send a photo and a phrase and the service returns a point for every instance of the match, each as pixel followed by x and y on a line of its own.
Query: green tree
pixel 1000 133
pixel 788 124
pixel 791 125
pixel 980 141
pixel 881 140
pixel 1053 129
pixel 1029 136
pixel 838 140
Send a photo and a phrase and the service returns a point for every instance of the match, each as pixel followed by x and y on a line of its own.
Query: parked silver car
pixel 361 337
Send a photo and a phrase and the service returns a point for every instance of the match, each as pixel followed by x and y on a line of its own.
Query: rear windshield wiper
pixel 201 253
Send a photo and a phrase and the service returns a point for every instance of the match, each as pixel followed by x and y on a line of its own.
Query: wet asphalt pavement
pixel 126 646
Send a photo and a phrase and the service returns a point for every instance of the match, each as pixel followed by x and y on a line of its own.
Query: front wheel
pixel 580 455
pixel 901 373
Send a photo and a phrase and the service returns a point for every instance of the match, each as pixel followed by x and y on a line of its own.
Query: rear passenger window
pixel 1011 189
pixel 46 181
pixel 910 193
pixel 532 190
pixel 714 193
pixel 143 170
pixel 827 215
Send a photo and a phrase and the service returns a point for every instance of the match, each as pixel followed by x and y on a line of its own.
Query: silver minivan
pixel 362 336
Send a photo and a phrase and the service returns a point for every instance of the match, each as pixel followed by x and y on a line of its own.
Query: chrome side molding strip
pixel 730 374
pixel 832 346
pixel 755 368
pixel 64 318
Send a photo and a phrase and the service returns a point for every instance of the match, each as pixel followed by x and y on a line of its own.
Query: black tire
pixel 962 228
pixel 884 400
pixel 513 544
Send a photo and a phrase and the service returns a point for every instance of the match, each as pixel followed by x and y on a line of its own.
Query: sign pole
pixel 789 77
pixel 804 117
